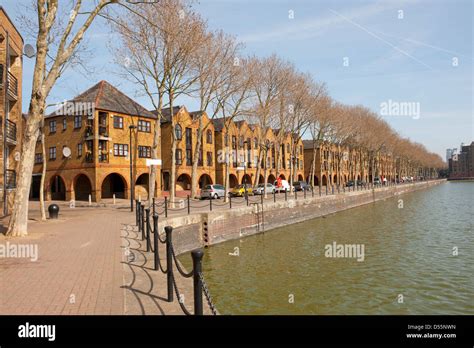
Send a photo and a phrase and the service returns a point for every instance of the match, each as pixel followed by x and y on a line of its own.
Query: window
pixel 118 122
pixel 189 160
pixel 144 126
pixel 234 142
pixel 121 150
pixel 77 121
pixel 179 156
pixel 209 136
pixel 64 123
pixel 52 153
pixel 178 131
pixel 209 159
pixel 189 137
pixel 52 126
pixel 200 157
pixel 144 151
pixel 226 140
pixel 255 143
pixel 79 150
pixel 241 141
pixel 38 158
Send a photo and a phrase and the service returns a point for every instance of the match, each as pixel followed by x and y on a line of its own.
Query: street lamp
pixel 245 170
pixel 132 186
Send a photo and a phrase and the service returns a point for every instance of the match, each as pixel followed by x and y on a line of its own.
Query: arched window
pixel 178 132
pixel 209 136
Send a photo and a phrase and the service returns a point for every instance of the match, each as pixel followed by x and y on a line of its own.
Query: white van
pixel 284 186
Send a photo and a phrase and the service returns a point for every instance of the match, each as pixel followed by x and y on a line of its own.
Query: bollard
pixel 90 199
pixel 166 206
pixel 210 203
pixel 197 269
pixel 285 195
pixel 189 207
pixel 155 242
pixel 53 211
pixel 274 196
pixel 319 191
pixel 169 262
pixel 332 187
pixel 312 191
pixel 261 199
pixel 326 190
pixel 296 194
pixel 304 193
pixel 153 202
pixel 148 244
pixel 246 197
pixel 230 202
pixel 142 222
pixel 113 199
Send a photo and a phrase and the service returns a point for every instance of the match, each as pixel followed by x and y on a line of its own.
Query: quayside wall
pixel 213 227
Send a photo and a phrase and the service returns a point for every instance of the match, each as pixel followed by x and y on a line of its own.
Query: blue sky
pixel 408 59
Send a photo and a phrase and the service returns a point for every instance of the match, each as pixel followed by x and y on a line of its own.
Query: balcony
pixel 10 179
pixel 89 157
pixel 10 132
pixel 12 84
pixel 103 158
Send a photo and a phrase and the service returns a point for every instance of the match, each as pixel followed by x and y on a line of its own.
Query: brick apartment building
pixel 461 165
pixel 11 66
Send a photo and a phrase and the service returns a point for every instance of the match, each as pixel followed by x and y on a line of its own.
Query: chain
pixel 176 291
pixel 205 289
pixel 180 270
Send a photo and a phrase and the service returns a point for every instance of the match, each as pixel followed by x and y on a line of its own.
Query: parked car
pixel 239 190
pixel 377 181
pixel 213 191
pixel 301 186
pixel 350 183
pixel 284 186
pixel 360 183
pixel 259 189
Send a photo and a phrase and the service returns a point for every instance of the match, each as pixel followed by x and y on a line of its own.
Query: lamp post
pixel 245 170
pixel 132 186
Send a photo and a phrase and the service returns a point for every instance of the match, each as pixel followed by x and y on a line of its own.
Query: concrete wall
pixel 204 229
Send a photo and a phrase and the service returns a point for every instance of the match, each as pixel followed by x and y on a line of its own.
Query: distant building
pixel 450 153
pixel 461 165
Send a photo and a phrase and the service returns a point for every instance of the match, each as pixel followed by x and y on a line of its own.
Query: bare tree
pixel 51 59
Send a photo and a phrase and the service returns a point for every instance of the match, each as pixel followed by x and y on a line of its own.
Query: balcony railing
pixel 103 130
pixel 89 158
pixel 104 158
pixel 10 179
pixel 10 132
pixel 12 86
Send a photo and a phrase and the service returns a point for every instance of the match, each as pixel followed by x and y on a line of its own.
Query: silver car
pixel 213 191
pixel 259 189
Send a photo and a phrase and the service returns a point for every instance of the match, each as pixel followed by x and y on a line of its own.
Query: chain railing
pixel 146 229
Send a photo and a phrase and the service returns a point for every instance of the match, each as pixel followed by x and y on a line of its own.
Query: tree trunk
pixel 194 178
pixel 173 155
pixel 154 152
pixel 43 176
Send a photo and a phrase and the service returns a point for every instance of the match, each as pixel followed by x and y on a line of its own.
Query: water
pixel 409 267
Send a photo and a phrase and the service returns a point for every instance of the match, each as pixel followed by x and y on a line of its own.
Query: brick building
pixel 87 143
pixel 461 165
pixel 11 66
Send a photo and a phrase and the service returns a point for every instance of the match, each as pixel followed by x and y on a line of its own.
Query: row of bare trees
pixel 168 51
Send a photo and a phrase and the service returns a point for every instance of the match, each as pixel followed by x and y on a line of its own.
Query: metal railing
pixel 10 179
pixel 146 229
pixel 12 85
pixel 10 131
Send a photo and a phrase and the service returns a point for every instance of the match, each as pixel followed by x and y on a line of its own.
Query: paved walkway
pixel 82 268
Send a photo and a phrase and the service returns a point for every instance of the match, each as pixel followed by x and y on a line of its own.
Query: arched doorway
pixel 233 181
pixel 204 180
pixel 114 184
pixel 261 179
pixel 58 188
pixel 183 182
pixel 82 188
pixel 282 177
pixel 334 180
pixel 246 179
pixel 271 178
pixel 142 185
pixel 300 177
pixel 325 180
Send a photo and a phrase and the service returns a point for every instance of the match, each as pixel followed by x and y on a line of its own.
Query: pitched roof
pixel 104 96
pixel 308 144
pixel 166 113
pixel 218 124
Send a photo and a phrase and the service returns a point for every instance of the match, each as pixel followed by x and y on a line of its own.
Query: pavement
pixel 83 267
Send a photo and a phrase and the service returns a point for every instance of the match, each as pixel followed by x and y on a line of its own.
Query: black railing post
pixel 319 191
pixel 296 194
pixel 261 198
pixel 169 262
pixel 274 195
pixel 230 202
pixel 210 203
pixel 137 213
pixel 147 214
pixel 153 202
pixel 247 198
pixel 332 187
pixel 155 242
pixel 189 207
pixel 139 216
pixel 197 271
pixel 142 219
pixel 286 195
pixel 326 189
pixel 166 206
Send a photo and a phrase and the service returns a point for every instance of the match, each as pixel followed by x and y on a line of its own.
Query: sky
pixel 385 55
